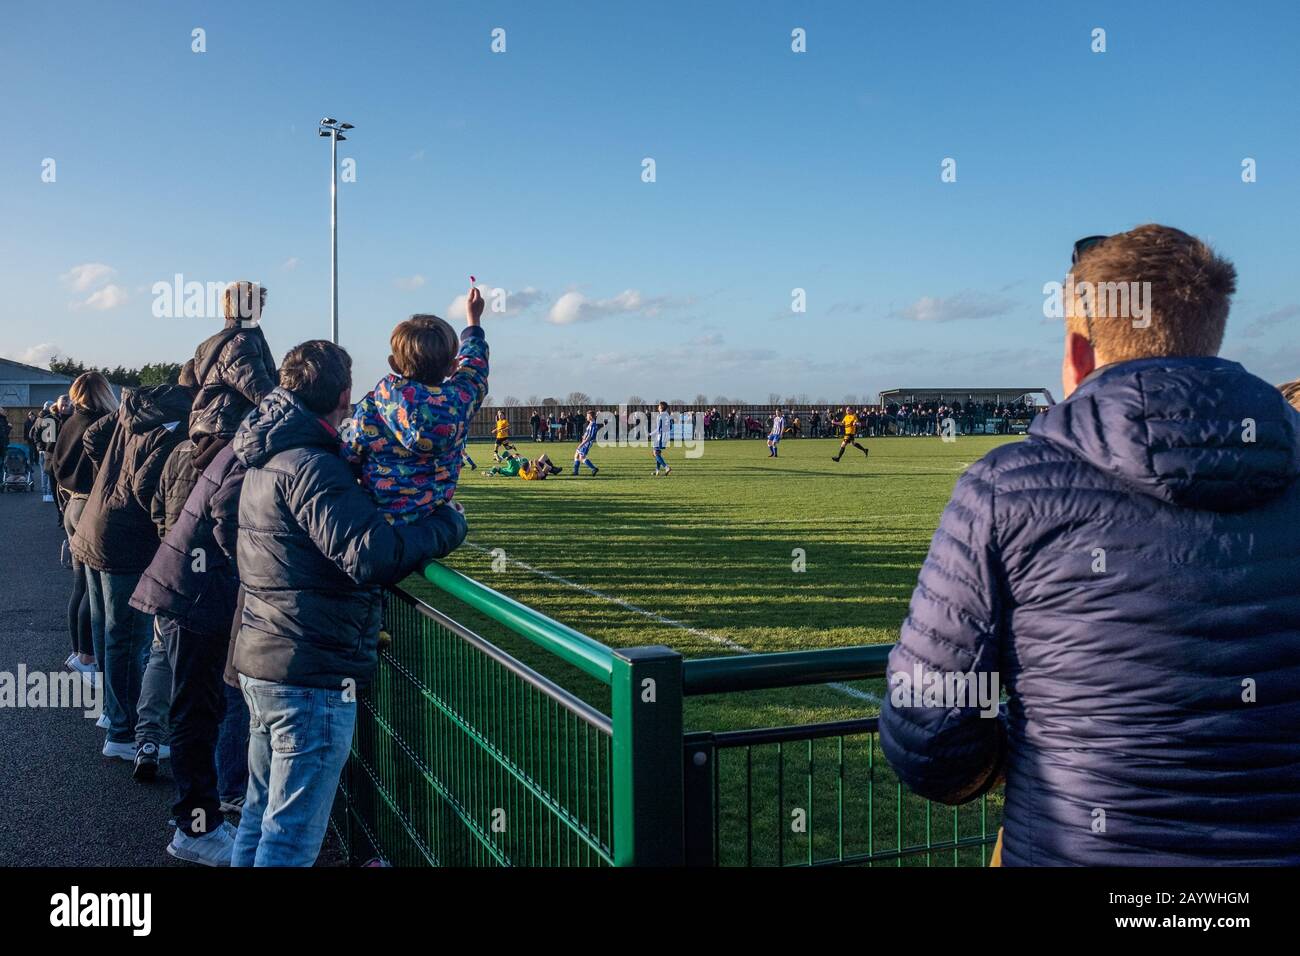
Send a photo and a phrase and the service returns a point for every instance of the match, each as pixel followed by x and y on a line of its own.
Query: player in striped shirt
pixel 584 447
pixel 660 435
pixel 774 437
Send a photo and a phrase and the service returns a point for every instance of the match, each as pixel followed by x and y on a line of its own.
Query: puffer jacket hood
pixel 144 409
pixel 280 422
pixel 116 532
pixel 1195 432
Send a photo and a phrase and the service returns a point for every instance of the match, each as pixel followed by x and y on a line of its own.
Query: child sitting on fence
pixel 410 429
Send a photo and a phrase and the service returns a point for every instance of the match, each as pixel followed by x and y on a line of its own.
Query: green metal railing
pixel 465 756
pixel 812 794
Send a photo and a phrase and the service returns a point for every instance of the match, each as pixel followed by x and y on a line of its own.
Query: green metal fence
pixel 465 756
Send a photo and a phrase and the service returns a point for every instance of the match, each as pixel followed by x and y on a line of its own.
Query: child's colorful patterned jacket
pixel 409 436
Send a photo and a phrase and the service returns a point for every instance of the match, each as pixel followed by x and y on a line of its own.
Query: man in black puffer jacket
pixel 116 539
pixel 313 554
pixel 235 371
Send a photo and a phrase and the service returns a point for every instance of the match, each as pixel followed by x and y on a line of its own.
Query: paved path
pixel 61 802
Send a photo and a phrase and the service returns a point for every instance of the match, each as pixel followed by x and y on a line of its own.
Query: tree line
pixel 152 373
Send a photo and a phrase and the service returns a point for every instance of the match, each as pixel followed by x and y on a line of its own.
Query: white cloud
pixel 964 305
pixel 514 303
pixel 109 297
pixel 290 264
pixel 88 275
pixel 576 307
pixel 38 355
pixel 409 283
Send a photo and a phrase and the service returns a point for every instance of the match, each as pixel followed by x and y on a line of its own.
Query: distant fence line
pixel 521 428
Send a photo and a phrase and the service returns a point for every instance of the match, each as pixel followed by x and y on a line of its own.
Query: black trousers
pixel 198 704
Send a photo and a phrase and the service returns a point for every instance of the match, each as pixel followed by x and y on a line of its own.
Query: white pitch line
pixel 659 618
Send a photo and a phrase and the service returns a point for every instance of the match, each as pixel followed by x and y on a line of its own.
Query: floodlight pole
pixel 334 130
pixel 334 237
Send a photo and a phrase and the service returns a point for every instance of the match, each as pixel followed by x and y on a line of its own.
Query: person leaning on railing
pixel 313 554
pixel 1128 575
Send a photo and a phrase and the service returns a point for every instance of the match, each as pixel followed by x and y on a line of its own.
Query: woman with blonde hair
pixel 92 398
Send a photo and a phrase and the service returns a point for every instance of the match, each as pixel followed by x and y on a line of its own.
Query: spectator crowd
pixel 229 548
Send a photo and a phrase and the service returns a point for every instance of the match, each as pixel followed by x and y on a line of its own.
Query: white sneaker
pixel 211 849
pixel 102 723
pixel 70 661
pixel 125 751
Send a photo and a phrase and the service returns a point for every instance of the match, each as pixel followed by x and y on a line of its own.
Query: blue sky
pixel 774 171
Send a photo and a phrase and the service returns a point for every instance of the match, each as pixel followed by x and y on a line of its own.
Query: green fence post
pixel 647 757
pixel 698 769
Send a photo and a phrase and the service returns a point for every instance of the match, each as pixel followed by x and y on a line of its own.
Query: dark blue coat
pixel 1131 571
pixel 193 578
pixel 314 552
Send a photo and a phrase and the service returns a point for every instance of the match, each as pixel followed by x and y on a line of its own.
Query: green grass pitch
pixel 707 561
pixel 704 560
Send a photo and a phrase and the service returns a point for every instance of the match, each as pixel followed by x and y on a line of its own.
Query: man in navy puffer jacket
pixel 1130 573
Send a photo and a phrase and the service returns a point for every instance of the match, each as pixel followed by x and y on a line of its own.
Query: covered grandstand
pixel 947 396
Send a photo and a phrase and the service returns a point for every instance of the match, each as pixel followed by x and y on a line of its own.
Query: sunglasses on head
pixel 1084 244
pixel 1080 247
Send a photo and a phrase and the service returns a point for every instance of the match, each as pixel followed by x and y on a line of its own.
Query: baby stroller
pixel 18 469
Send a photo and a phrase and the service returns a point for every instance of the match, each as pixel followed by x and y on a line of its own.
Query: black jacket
pixel 193 578
pixel 116 532
pixel 314 551
pixel 45 431
pixel 177 480
pixel 72 467
pixel 235 371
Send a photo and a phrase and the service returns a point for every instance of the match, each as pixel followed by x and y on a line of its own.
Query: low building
pixel 26 387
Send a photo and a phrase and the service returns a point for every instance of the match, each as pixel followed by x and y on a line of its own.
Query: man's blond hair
pixel 1185 285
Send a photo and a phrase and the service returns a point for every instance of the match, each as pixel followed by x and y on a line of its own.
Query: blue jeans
pixel 232 746
pixel 298 742
pixel 123 650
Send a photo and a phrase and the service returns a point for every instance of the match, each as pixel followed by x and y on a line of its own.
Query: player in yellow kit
pixel 502 431
pixel 849 421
